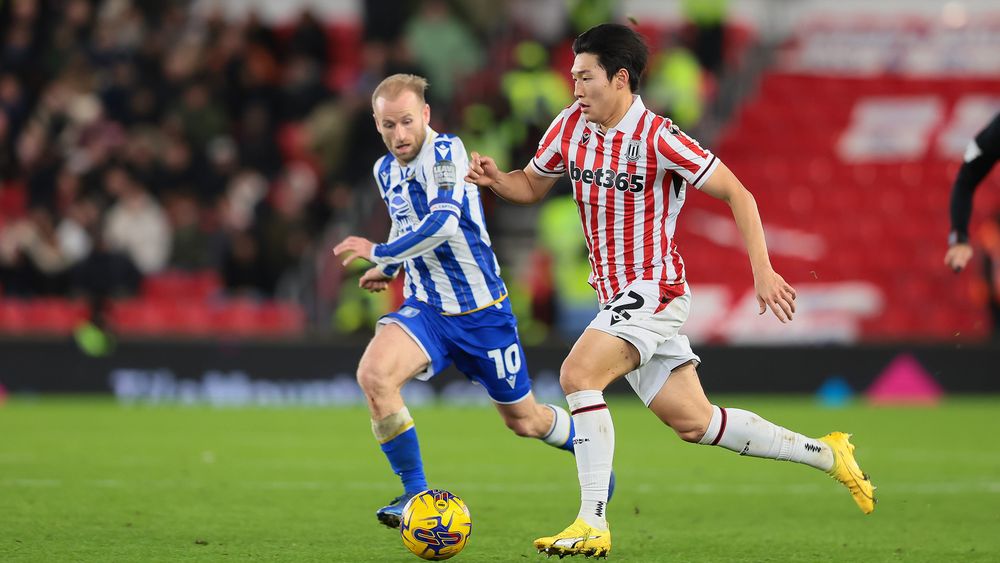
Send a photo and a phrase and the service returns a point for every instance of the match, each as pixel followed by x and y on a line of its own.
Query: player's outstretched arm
pixel 518 186
pixel 772 290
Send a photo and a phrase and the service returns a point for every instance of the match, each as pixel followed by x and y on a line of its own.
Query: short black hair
pixel 617 47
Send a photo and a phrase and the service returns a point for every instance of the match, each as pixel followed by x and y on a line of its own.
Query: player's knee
pixel 373 380
pixel 572 377
pixel 692 435
pixel 690 430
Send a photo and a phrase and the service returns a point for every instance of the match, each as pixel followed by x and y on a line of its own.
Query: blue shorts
pixel 483 345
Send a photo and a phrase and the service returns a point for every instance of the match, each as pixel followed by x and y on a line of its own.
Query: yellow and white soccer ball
pixel 436 525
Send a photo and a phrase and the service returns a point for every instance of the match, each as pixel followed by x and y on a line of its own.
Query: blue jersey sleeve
pixel 446 174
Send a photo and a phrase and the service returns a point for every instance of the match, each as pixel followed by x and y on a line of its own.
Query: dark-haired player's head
pixel 610 60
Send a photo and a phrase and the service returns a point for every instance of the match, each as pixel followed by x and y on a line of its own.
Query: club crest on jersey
pixel 632 150
pixel 586 137
pixel 400 210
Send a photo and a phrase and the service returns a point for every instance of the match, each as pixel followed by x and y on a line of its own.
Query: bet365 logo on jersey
pixel 607 178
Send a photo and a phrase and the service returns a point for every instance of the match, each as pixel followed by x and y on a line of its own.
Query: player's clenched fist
pixel 374 280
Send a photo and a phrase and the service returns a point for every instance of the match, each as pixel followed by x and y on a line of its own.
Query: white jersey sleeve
pixel 548 159
pixel 677 152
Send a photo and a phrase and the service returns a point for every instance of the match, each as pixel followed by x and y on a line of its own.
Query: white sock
pixel 595 448
pixel 558 433
pixel 745 432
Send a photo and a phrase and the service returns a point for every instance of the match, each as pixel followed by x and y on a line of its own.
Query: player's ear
pixel 378 126
pixel 621 78
pixel 427 113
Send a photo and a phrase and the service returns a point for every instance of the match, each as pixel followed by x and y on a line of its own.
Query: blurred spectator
pixel 302 89
pixel 534 90
pixel 384 20
pixel 482 133
pixel 31 260
pixel 202 118
pixel 585 14
pixel 135 223
pixel 543 20
pixel 309 39
pixel 989 236
pixel 243 271
pixel 258 147
pixel 102 275
pixel 191 245
pixel 674 86
pixel 74 231
pixel 12 102
pixel 708 18
pixel 444 46
pixel 571 294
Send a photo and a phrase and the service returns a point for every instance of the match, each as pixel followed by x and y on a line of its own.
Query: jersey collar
pixel 429 136
pixel 629 120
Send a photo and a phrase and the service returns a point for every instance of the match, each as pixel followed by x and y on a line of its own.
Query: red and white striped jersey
pixel 629 184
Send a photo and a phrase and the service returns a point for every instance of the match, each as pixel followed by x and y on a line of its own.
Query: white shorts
pixel 649 316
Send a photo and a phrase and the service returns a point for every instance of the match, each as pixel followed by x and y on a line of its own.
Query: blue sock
pixel 562 432
pixel 403 453
pixel 568 446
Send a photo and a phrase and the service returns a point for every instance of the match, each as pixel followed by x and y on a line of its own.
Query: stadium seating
pixel 882 220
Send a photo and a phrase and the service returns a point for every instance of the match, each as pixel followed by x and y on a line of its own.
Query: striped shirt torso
pixel 629 184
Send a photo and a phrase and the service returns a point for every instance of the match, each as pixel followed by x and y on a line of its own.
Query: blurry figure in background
pixel 136 224
pixel 709 20
pixel 75 228
pixel 980 156
pixel 103 275
pixel 385 20
pixel 482 133
pixel 456 309
pixel 674 86
pixel 243 272
pixel 989 237
pixel 190 246
pixel 572 296
pixel 358 310
pixel 585 14
pixel 534 90
pixel 444 46
pixel 542 20
pixel 31 260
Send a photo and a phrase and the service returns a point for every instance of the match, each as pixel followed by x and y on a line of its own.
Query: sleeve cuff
pixel 544 172
pixel 706 172
pixel 956 237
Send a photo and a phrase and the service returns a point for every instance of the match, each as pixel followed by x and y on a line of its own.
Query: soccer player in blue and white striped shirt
pixel 456 308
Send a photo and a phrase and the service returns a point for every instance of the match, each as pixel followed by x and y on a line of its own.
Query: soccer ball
pixel 436 525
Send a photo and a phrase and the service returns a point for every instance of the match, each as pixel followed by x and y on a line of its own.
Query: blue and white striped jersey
pixel 438 229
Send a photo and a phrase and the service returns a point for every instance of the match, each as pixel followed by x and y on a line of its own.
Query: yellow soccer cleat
pixel 845 469
pixel 578 539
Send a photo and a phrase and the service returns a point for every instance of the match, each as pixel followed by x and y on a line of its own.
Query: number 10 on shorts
pixel 508 363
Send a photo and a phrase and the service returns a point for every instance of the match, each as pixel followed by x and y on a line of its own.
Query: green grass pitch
pixel 89 480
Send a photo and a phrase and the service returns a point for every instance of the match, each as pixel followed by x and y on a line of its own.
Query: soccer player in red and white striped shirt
pixel 631 170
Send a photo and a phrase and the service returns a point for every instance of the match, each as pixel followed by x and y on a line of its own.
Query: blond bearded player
pixel 456 309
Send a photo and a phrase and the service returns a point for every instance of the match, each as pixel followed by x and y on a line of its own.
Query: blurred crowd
pixel 143 137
